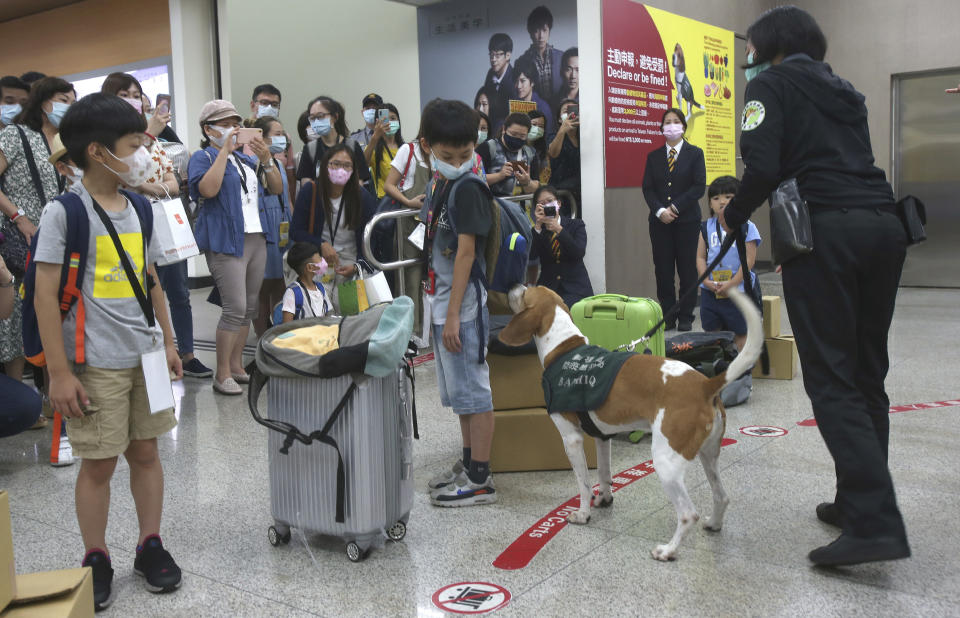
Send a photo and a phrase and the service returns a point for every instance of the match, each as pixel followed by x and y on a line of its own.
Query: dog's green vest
pixel 581 379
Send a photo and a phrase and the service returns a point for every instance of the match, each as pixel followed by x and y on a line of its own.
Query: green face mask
pixel 751 72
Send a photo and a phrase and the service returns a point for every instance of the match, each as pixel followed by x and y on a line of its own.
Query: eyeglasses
pixel 269 104
pixel 318 116
pixel 497 55
pixel 340 165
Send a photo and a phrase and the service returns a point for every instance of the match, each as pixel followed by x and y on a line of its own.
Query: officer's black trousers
pixel 841 298
pixel 675 250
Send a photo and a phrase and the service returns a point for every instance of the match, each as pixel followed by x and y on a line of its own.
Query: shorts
pixel 464 382
pixel 123 415
pixel 720 314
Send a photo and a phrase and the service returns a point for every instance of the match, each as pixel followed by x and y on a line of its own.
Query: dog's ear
pixel 521 328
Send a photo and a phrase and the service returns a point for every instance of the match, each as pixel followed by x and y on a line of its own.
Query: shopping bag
pixel 172 230
pixel 352 296
pixel 377 289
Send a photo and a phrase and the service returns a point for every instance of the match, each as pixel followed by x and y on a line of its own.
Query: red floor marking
pixel 905 408
pixel 529 544
pixel 419 360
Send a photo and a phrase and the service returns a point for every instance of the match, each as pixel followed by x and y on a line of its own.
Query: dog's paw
pixel 664 553
pixel 578 517
pixel 712 525
pixel 602 501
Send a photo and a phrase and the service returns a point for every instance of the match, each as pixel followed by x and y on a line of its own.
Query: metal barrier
pixel 564 195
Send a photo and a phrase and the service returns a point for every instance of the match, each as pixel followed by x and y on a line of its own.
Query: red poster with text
pixel 652 61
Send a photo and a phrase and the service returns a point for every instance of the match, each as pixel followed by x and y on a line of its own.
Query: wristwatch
pixel 19 214
pixel 268 164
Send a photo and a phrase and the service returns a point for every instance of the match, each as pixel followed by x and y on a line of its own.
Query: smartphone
pixel 574 111
pixel 163 104
pixel 245 136
pixel 383 115
pixel 549 211
pixel 522 165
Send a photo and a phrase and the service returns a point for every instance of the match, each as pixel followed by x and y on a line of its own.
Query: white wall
pixel 341 48
pixel 192 50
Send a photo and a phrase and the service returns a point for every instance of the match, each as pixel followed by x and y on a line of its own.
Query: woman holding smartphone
pixel 383 146
pixel 229 188
pixel 674 181
pixel 560 244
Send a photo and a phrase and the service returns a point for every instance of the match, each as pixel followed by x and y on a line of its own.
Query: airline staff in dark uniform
pixel 673 183
pixel 560 243
pixel 802 121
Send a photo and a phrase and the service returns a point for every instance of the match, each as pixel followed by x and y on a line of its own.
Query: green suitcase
pixel 611 320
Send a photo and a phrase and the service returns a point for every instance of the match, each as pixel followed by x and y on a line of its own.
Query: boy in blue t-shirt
pixel 459 315
pixel 717 312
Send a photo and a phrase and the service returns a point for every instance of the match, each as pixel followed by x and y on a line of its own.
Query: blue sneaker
pixel 193 368
pixel 465 493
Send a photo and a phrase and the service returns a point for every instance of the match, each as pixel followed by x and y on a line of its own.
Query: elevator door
pixel 926 150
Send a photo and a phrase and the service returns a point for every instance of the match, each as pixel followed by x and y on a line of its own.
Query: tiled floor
pixel 218 509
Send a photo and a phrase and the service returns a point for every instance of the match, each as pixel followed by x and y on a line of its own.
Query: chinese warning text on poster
pixel 653 61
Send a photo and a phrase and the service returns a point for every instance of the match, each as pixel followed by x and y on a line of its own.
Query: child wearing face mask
pixel 122 329
pixel 311 302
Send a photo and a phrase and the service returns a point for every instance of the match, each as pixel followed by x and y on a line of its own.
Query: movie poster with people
pixel 500 55
pixel 654 61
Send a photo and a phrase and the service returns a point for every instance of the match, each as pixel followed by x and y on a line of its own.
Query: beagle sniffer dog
pixel 679 406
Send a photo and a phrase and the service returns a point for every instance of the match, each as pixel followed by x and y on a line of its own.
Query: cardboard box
pixel 527 440
pixel 783 359
pixel 771 316
pixel 8 573
pixel 515 381
pixel 53 594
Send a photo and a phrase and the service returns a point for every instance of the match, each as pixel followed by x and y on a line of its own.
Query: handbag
pixel 14 247
pixel 913 215
pixel 790 228
pixel 352 295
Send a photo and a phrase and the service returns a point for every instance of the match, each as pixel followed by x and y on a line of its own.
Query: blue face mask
pixel 369 115
pixel 394 127
pixel 751 72
pixel 266 110
pixel 321 127
pixel 9 112
pixel 278 143
pixel 56 114
pixel 451 172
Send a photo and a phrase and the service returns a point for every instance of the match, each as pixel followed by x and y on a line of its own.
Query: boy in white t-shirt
pixel 304 258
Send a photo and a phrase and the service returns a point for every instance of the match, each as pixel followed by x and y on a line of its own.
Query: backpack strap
pixel 703 232
pixel 32 164
pixel 75 253
pixel 297 300
pixel 144 211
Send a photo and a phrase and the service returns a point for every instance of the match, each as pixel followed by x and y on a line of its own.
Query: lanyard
pixel 330 226
pixel 243 173
pixel 138 290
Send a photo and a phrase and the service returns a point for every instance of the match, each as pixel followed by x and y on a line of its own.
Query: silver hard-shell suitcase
pixel 374 433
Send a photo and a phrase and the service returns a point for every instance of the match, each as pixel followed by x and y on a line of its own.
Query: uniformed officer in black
pixel 674 180
pixel 802 121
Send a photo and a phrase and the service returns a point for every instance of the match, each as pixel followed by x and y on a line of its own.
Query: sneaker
pixel 465 493
pixel 64 453
pixel 99 563
pixel 227 387
pixel 195 369
pixel 448 477
pixel 156 566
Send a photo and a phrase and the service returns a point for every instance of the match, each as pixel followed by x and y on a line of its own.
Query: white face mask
pixel 220 138
pixel 138 167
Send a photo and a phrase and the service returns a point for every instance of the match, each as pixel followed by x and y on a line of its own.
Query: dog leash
pixel 733 237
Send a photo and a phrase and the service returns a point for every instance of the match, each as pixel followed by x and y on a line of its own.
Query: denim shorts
pixel 464 382
pixel 720 314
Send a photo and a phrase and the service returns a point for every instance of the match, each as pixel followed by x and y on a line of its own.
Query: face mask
pixel 321 127
pixel 512 143
pixel 138 167
pixel 451 172
pixel 481 137
pixel 339 176
pixel 9 112
pixel 672 131
pixel 534 134
pixel 564 116
pixel 136 104
pixel 266 110
pixel 219 139
pixel 369 115
pixel 394 127
pixel 148 116
pixel 55 115
pixel 751 72
pixel 278 143
pixel 317 267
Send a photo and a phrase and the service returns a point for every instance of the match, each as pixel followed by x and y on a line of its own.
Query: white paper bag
pixel 378 291
pixel 172 231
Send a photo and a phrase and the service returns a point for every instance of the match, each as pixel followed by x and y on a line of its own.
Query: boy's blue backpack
pixel 70 291
pixel 507 249
pixel 298 299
